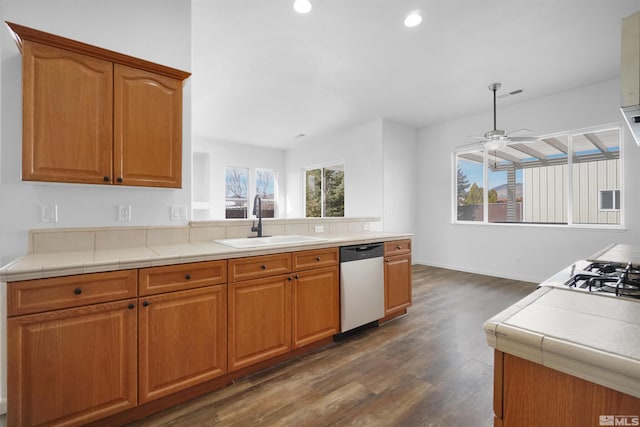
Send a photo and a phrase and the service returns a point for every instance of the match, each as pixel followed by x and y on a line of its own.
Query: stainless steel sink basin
pixel 261 242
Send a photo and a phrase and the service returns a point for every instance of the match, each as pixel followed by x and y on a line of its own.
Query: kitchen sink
pixel 261 242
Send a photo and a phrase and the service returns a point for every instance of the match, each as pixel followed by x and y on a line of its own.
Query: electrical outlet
pixel 319 228
pixel 366 227
pixel 49 213
pixel 124 212
pixel 178 213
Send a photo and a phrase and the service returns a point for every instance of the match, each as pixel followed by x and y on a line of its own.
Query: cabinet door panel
pixel 147 128
pixel 316 305
pixel 72 366
pixel 67 116
pixel 259 320
pixel 397 289
pixel 183 340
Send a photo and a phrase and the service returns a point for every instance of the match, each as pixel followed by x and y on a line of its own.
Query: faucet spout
pixel 257 210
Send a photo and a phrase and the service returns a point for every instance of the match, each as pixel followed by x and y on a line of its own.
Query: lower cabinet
pixel 182 340
pixel 397 276
pixel 72 366
pixel 273 315
pixel 316 305
pixel 259 320
pixel 532 395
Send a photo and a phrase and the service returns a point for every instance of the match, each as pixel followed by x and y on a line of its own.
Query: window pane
pixel 236 180
pixel 606 200
pixel 469 184
pixel 334 191
pixel 313 199
pixel 266 188
pixel 544 166
pixel 596 167
pixel 505 188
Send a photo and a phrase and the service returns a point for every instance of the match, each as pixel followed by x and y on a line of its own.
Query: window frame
pixel 569 178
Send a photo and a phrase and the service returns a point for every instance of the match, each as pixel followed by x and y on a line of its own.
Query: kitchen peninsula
pixel 124 322
pixel 567 357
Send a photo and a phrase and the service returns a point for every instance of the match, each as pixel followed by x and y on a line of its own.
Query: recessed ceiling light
pixel 302 6
pixel 413 19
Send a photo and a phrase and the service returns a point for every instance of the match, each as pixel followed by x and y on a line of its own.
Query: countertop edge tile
pixel 606 369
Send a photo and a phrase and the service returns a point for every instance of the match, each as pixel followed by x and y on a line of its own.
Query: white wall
pixel 156 30
pixel 222 154
pixel 360 149
pixel 521 252
pixel 400 177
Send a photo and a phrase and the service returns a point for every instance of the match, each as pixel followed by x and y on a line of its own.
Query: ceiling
pixel 264 74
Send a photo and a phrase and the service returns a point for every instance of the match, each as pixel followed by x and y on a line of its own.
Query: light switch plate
pixel 178 213
pixel 49 213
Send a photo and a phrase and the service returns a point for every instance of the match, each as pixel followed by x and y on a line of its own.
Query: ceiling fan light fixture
pixel 302 6
pixel 495 144
pixel 413 19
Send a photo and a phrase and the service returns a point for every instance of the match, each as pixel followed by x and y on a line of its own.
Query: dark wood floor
pixel 429 368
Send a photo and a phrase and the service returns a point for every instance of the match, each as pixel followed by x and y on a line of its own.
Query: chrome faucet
pixel 257 210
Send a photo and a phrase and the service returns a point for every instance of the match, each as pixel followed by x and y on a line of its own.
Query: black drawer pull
pixel 399 247
pixel 145 304
pixel 120 179
pixel 187 276
pixel 106 178
pixel 77 291
pixel 131 306
pixel 289 278
pixel 317 258
pixel 297 276
pixel 263 266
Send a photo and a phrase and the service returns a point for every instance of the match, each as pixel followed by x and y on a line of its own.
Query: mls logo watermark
pixel 619 420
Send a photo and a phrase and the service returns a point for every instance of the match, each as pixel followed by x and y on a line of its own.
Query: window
pixel 236 181
pixel 571 178
pixel 609 200
pixel 324 191
pixel 266 189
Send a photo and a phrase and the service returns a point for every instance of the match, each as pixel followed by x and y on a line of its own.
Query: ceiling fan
pixel 497 139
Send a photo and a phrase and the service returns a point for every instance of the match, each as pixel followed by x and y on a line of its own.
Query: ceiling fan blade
pixel 519 131
pixel 478 145
pixel 522 139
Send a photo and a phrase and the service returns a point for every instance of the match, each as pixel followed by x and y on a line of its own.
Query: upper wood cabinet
pixel 95 116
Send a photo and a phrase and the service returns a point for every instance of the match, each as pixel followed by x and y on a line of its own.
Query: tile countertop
pixel 618 252
pixel 52 264
pixel 593 337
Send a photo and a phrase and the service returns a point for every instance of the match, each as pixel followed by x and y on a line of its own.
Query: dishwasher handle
pixel 359 252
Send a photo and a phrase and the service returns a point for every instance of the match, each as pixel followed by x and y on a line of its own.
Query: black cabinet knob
pixel 145 304
pixel 131 306
pixel 297 276
pixel 263 266
pixel 187 276
pixel 77 291
pixel 289 278
pixel 317 258
pixel 120 179
pixel 106 178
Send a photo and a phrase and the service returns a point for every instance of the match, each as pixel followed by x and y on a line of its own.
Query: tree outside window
pixel 266 189
pixel 236 191
pixel 324 191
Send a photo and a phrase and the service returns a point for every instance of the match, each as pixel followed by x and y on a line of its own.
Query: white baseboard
pixel 491 273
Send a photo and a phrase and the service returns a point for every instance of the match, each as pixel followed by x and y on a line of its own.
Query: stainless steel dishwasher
pixel 361 285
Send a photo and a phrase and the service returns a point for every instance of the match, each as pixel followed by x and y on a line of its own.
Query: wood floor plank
pixel 431 367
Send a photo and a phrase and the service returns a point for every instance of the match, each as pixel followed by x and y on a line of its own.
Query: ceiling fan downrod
pixel 494 87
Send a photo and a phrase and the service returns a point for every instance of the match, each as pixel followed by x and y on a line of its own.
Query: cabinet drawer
pixel 259 266
pixel 33 296
pixel 317 258
pixel 155 280
pixel 397 247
